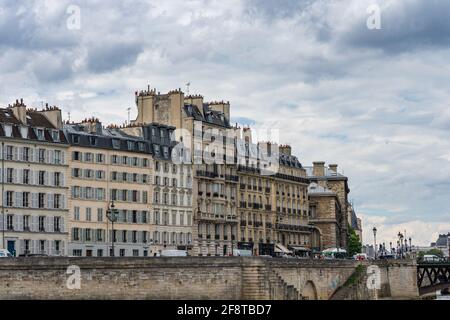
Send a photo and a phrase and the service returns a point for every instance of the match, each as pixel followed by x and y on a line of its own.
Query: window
pixel 76 213
pixel 26 154
pixel 116 143
pixel 88 214
pixel 55 135
pixel 122 252
pixel 26 223
pixel 41 200
pixel 77 252
pixel 57 224
pixel 57 155
pixel 25 199
pixel 42 224
pixel 57 179
pixel 57 246
pixel 41 178
pixel 9 198
pixel 134 217
pixel 99 235
pixel 42 246
pixel 40 134
pixel 100 253
pixel 156 166
pixel 76 156
pixel 87 235
pixel 9 175
pixel 76 234
pixel 9 152
pixel 9 222
pixel 88 157
pixel 57 201
pixel 26 176
pixel 41 155
pixel 100 158
pixel 99 214
pixel 76 139
pixel 8 130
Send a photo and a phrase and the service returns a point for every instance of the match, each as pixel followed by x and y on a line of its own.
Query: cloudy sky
pixel 375 101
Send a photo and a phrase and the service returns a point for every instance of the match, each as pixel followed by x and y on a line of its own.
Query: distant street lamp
pixel 375 240
pixel 410 246
pixel 112 215
pixel 390 246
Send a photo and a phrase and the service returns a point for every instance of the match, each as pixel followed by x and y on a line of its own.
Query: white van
pixel 5 253
pixel 242 253
pixel 173 253
pixel 431 258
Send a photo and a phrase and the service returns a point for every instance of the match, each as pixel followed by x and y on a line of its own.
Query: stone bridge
pixel 232 278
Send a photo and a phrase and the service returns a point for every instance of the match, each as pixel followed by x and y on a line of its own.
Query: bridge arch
pixel 309 291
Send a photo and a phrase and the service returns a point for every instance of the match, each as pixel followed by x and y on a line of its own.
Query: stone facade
pixel 33 155
pixel 197 278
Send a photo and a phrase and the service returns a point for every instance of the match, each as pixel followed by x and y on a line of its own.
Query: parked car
pixel 5 253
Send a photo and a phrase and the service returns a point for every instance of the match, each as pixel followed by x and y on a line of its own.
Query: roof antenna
pixel 68 113
pixel 187 87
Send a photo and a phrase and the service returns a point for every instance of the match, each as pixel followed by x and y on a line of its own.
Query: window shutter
pixel 62 247
pixel 49 201
pixel 34 223
pixel 61 225
pixel 16 153
pixel 129 236
pixel 19 222
pixel 63 157
pixel 34 246
pixel 63 182
pixel 51 158
pixel 1 222
pixel 34 200
pixel 129 216
pixel 46 179
pixel 63 202
pixel 51 224
pixel 18 202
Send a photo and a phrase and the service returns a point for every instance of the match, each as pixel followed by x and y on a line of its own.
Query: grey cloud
pixel 108 56
pixel 405 26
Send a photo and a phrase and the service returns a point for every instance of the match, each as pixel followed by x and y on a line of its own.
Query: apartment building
pixel 109 170
pixel 214 181
pixel 330 216
pixel 34 211
pixel 171 202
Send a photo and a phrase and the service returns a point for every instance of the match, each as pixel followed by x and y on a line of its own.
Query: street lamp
pixel 410 246
pixel 112 214
pixel 375 240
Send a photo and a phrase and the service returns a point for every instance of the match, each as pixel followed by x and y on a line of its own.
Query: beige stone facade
pixel 33 153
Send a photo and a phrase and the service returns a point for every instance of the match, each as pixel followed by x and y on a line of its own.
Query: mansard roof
pixel 208 115
pixel 29 131
pixel 105 138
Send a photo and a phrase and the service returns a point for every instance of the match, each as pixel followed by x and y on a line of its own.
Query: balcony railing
pixel 207 174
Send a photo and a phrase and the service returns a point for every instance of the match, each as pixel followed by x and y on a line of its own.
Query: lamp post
pixel 375 240
pixel 390 246
pixel 410 246
pixel 112 214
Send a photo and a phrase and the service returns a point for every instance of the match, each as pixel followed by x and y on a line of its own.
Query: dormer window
pixel 24 132
pixel 40 134
pixel 93 141
pixel 55 135
pixel 131 145
pixel 76 139
pixel 166 152
pixel 8 130
pixel 116 143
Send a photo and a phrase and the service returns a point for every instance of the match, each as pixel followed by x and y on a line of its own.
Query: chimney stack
pixel 318 168
pixel 333 167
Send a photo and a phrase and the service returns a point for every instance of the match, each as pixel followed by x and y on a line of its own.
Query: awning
pixel 300 248
pixel 281 249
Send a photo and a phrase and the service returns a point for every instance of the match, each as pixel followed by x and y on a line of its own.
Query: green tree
pixel 354 243
pixel 434 251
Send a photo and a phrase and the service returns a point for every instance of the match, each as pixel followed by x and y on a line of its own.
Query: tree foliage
pixel 354 243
